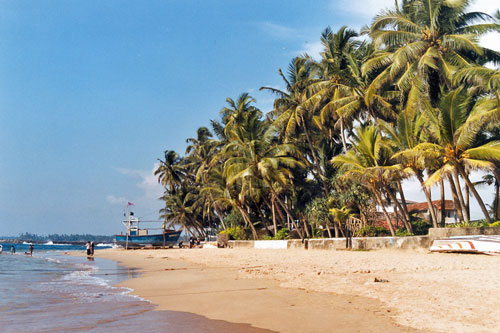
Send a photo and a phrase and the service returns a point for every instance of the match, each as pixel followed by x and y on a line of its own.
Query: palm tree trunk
pixel 328 228
pixel 460 196
pixel 497 193
pixel 282 204
pixel 381 203
pixel 246 217
pixel 396 202
pixel 458 206
pixel 403 199
pixel 219 214
pixel 428 198
pixel 467 198
pixel 443 210
pixel 275 226
pixel 315 158
pixel 304 222
pixel 474 192
pixel 342 134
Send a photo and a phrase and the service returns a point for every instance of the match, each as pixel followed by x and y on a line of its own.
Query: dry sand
pixel 322 291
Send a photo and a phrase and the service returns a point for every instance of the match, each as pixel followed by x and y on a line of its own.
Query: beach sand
pixel 322 291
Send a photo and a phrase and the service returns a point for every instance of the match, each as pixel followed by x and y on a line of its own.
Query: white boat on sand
pixel 468 244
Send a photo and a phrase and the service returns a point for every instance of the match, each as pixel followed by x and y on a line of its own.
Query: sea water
pixel 54 292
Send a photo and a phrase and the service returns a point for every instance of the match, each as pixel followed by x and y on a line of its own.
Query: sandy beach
pixel 322 291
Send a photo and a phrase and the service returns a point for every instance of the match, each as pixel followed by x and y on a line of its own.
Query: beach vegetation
pixel 416 98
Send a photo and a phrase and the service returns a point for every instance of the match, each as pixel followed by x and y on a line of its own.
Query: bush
pixel 235 233
pixel 234 219
pixel 470 224
pixel 495 224
pixel 282 234
pixel 420 227
pixel 371 231
pixel 403 233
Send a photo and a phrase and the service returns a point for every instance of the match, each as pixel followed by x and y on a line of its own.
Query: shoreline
pixel 178 280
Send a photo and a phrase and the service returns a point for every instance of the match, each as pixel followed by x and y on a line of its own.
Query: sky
pixel 93 92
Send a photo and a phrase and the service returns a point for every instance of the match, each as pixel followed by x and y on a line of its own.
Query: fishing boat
pixel 136 237
pixel 468 244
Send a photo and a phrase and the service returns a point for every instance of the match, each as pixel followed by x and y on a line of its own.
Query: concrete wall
pixel 270 244
pixel 358 243
pixel 440 233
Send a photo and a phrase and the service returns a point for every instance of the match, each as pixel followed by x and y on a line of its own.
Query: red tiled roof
pixel 448 205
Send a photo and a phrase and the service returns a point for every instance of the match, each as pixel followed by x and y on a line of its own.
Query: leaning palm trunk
pixel 480 202
pixel 246 217
pixel 497 193
pixel 460 196
pixel 344 144
pixel 429 200
pixel 456 201
pixel 467 199
pixel 403 200
pixel 381 203
pixel 398 205
pixel 282 204
pixel 275 226
pixel 315 158
pixel 443 210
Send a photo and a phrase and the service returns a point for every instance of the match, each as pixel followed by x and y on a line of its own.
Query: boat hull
pixel 170 239
pixel 468 244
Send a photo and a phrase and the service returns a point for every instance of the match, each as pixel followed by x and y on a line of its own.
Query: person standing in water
pixel 87 247
pixel 12 249
pixel 31 249
pixel 92 245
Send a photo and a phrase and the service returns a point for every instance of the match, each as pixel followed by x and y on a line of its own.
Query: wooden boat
pixel 136 237
pixel 468 244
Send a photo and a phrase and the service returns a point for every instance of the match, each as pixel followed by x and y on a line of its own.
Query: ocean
pixel 54 292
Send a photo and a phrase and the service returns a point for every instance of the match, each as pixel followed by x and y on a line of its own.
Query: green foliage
pixel 470 224
pixel 495 224
pixel 371 231
pixel 420 227
pixel 282 234
pixel 403 233
pixel 235 233
pixel 234 219
pixel 317 212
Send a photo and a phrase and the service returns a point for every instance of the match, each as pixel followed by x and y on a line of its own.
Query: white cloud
pixel 486 6
pixel 115 200
pixel 278 31
pixel 149 189
pixel 362 8
pixel 312 49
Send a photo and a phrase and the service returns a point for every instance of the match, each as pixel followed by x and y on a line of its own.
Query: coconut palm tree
pixel 170 172
pixel 369 162
pixel 425 42
pixel 253 156
pixel 455 127
pixel 293 111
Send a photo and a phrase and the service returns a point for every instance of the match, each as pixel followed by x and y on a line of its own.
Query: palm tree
pixel 368 161
pixel 253 156
pixel 170 171
pixel 293 111
pixel 455 127
pixel 425 41
pixel 403 137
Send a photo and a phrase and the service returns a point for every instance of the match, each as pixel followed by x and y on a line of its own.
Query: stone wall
pixel 358 243
pixel 440 233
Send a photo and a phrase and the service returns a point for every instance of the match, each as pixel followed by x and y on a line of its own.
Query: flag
pixel 130 204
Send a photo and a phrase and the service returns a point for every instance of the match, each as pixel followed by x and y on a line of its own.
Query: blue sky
pixel 93 92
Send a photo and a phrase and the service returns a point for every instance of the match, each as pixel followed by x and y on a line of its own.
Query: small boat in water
pixel 468 244
pixel 136 237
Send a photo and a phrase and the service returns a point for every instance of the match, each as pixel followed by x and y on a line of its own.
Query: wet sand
pixel 244 286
